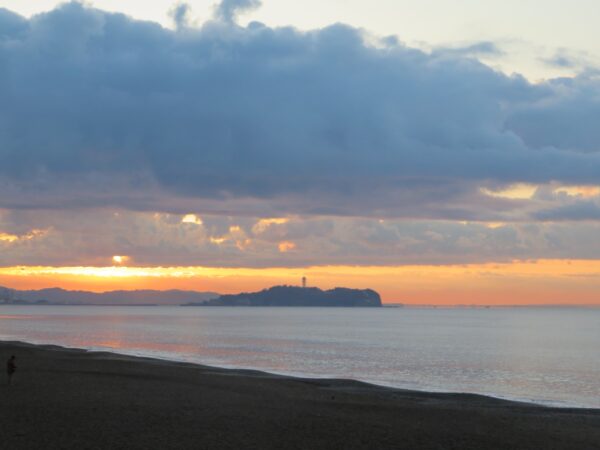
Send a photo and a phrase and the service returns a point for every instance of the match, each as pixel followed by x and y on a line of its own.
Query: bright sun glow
pixel 541 268
pixel 120 259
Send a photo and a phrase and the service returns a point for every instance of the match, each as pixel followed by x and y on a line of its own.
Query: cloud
pixel 12 26
pixel 103 110
pixel 69 238
pixel 228 10
pixel 180 13
pixel 576 211
pixel 566 121
pixel 561 60
pixel 567 59
pixel 483 48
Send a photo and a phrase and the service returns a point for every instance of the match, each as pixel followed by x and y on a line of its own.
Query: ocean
pixel 549 356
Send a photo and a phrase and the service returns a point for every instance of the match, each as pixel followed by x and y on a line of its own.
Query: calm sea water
pixel 549 356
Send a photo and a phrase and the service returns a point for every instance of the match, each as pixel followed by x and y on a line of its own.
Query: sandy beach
pixel 74 399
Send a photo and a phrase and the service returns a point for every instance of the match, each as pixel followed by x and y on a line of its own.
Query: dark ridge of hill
pixel 58 296
pixel 298 296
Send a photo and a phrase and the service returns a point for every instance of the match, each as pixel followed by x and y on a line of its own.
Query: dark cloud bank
pixel 100 109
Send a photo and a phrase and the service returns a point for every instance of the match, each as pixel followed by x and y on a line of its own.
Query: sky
pixel 438 152
pixel 556 39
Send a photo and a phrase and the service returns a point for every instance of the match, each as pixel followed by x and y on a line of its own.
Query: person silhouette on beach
pixel 11 367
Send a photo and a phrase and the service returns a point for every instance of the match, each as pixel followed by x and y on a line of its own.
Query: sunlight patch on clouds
pixel 489 225
pixel 192 218
pixel 519 191
pixel 243 244
pixel 8 237
pixel 494 225
pixel 286 246
pixel 263 224
pixel 579 191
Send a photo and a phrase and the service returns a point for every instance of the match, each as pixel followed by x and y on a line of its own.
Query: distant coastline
pixel 274 296
pixel 62 297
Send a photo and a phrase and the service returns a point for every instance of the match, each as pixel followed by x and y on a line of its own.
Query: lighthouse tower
pixel 303 282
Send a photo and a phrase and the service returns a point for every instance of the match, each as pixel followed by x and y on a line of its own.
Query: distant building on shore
pixel 303 282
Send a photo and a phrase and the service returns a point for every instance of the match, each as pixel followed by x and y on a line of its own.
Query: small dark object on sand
pixel 11 367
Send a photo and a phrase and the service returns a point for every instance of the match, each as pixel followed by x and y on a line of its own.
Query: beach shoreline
pixel 297 376
pixel 75 398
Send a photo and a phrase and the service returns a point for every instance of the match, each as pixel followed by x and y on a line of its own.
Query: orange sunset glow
pixel 516 283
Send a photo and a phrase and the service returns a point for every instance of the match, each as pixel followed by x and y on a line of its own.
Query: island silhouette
pixel 299 296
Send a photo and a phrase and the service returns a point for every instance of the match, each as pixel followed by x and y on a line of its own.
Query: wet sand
pixel 74 399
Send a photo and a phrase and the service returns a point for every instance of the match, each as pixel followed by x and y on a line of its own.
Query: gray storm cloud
pixel 99 109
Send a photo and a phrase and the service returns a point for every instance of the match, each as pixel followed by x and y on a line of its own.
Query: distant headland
pixel 57 296
pixel 299 296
